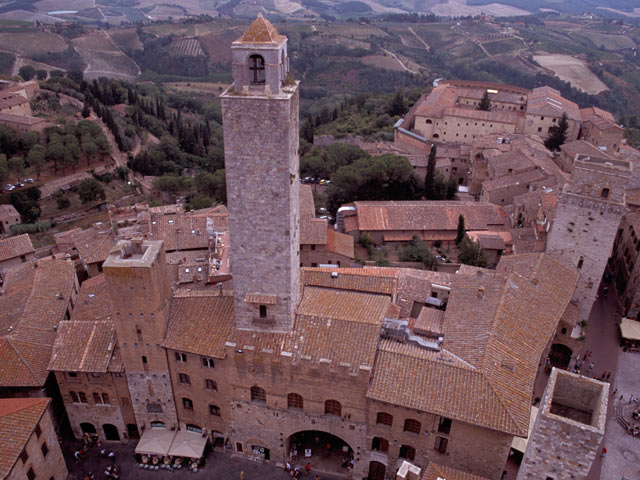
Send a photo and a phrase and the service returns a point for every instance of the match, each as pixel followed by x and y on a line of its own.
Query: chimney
pixel 136 244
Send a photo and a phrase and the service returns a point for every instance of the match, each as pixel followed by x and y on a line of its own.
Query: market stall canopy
pixel 630 329
pixel 520 444
pixel 155 441
pixel 188 444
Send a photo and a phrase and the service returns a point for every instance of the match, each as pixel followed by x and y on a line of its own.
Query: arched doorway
pixel 376 471
pixel 560 355
pixel 110 432
pixel 325 452
pixel 87 428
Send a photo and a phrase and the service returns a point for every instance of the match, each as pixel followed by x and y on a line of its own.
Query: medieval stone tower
pixel 590 208
pixel 260 120
pixel 568 430
pixel 138 285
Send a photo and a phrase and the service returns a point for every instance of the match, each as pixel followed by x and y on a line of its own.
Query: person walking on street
pixel 591 366
pixel 608 375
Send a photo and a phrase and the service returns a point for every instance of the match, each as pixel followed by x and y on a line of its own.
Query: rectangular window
pixel 24 456
pixel 444 426
pixel 263 311
pixel 187 403
pixel 207 362
pixel 44 449
pixel 214 410
pixel 38 430
pixel 238 447
pixel 145 365
pixel 181 357
pixel 72 374
pixel 441 444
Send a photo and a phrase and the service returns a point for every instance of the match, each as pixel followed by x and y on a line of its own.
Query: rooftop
pixel 15 246
pixel 261 31
pixel 18 420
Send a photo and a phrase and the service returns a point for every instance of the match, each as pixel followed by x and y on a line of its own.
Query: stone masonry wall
pixel 261 161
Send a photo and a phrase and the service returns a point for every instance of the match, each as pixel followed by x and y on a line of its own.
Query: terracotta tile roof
pixel 17 286
pixel 595 112
pixel 340 243
pixel 370 280
pixel 339 305
pixel 27 349
pixel 435 471
pixel 200 324
pixel 180 231
pixel 8 101
pixel 83 347
pixel 20 119
pixel 425 215
pixel 93 302
pixel 582 147
pixel 499 116
pixel 547 101
pixel 94 245
pixel 262 298
pixel 307 204
pixel 513 180
pixel 18 420
pixel 260 31
pixel 313 231
pixel 7 210
pixel 496 328
pixel 430 322
pixel 15 246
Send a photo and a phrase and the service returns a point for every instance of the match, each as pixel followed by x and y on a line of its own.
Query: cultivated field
pixel 572 70
pixel 382 61
pixel 104 58
pixel 163 12
pixel 456 8
pixel 218 45
pixel 32 43
pixel 53 5
pixel 186 46
pixel 126 38
pixel 610 42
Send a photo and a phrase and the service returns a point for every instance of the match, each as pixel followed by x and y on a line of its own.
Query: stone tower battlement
pixel 568 429
pixel 261 139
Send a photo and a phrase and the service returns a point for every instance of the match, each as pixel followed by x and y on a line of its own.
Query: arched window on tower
pixel 256 69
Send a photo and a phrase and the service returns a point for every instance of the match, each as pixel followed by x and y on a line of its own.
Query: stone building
pixel 14 251
pixel 599 129
pixel 30 447
pixel 589 211
pixel 139 289
pixel 449 114
pixel 8 216
pixel 570 423
pixel 625 264
pixel 262 170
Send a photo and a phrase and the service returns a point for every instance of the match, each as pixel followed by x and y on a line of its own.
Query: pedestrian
pixel 591 366
pixel 241 475
pixel 621 397
pixel 307 468
pixel 608 375
pixel 604 451
pixel 630 399
pixel 603 375
pixel 614 392
pixel 77 456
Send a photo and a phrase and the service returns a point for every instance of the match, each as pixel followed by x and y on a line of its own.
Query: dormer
pixel 260 61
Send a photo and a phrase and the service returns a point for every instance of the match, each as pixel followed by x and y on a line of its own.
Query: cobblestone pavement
pixel 623 450
pixel 219 466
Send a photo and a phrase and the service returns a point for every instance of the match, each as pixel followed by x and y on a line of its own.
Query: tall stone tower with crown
pixel 260 120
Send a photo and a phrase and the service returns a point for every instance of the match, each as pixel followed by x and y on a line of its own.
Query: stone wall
pixel 262 170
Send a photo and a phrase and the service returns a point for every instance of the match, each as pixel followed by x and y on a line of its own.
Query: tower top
pixel 261 31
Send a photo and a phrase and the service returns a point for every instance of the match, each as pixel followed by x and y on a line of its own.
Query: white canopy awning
pixel 188 444
pixel 155 441
pixel 630 329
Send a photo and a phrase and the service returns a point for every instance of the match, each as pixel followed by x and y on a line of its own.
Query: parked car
pixel 29 180
pixel 9 187
pixel 19 184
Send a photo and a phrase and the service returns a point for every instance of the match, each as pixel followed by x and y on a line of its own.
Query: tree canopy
pixel 558 134
pixel 418 251
pixel 485 102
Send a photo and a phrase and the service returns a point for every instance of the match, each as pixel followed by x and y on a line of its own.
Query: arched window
pixel 384 418
pixel 435 135
pixel 256 69
pixel 412 426
pixel 83 397
pixel 184 378
pixel 105 399
pixel 332 407
pixel 580 263
pixel 294 401
pixel 214 410
pixel 258 395
pixel 96 398
pixel 187 403
pixel 428 122
pixel 407 452
pixel 604 193
pixel 210 385
pixel 380 444
pixel 74 397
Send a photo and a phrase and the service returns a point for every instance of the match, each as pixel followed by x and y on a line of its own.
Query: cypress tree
pixel 461 230
pixel 430 177
pixel 485 102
